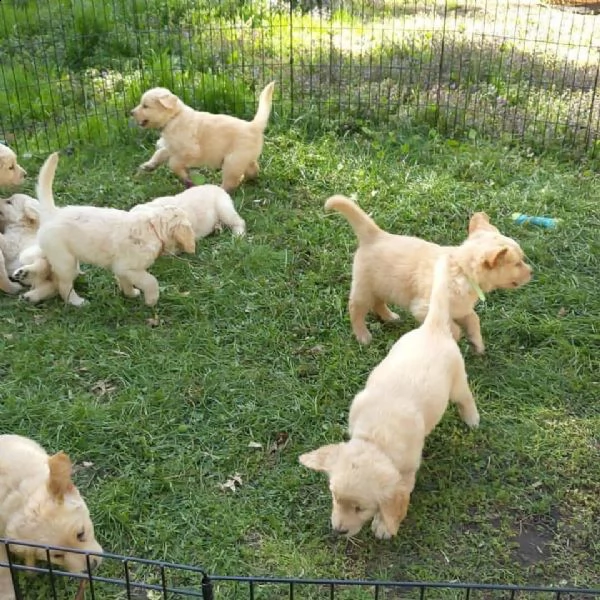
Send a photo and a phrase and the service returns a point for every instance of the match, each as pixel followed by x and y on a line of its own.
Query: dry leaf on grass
pixel 153 322
pixel 232 483
pixel 103 387
pixel 281 441
pixel 256 445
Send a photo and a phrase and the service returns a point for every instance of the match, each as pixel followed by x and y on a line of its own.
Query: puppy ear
pixel 493 257
pixel 169 101
pixel 321 459
pixel 59 481
pixel 480 222
pixel 393 510
pixel 32 215
pixel 185 238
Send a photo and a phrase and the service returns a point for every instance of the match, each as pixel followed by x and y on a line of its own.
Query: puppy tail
pixel 438 315
pixel 265 101
pixel 44 185
pixel 364 227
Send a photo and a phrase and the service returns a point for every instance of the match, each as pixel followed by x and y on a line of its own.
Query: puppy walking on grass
pixel 191 138
pixel 372 475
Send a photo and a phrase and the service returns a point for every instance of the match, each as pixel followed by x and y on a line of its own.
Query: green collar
pixel 477 289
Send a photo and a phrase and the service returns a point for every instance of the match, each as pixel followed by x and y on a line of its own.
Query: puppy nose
pixel 340 531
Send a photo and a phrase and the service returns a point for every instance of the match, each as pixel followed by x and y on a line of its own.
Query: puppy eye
pixel 11 168
pixel 81 535
pixel 9 202
pixel 358 509
pixel 144 106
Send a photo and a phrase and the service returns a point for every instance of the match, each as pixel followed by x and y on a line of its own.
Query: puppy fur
pixel 125 242
pixel 373 474
pixel 399 269
pixel 40 504
pixel 207 208
pixel 20 219
pixel 11 173
pixel 190 138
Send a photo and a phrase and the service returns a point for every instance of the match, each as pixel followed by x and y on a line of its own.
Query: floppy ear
pixel 169 100
pixel 480 222
pixel 321 459
pixel 393 510
pixel 493 257
pixel 32 214
pixel 59 481
pixel 185 238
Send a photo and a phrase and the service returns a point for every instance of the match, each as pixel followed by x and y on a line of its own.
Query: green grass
pixel 254 341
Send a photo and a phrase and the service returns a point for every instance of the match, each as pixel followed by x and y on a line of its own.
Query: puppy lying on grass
pixel 19 220
pixel 11 173
pixel 125 242
pixel 207 208
pixel 399 269
pixel 190 138
pixel 372 475
pixel 40 504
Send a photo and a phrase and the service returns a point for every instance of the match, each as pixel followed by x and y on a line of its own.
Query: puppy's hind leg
pixel 42 291
pixel 143 281
pixel 64 266
pixel 462 396
pixel 384 312
pixel 359 306
pixel 6 285
pixel 233 173
pixel 127 287
pixel 229 216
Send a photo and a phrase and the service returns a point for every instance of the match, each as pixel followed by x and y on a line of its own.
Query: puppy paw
pixel 147 167
pixel 478 346
pixel 75 300
pixel 11 288
pixel 30 297
pixel 20 275
pixel 364 337
pixel 379 529
pixel 471 418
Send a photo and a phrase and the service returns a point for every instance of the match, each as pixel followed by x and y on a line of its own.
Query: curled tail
pixel 44 186
pixel 438 315
pixel 261 118
pixel 364 227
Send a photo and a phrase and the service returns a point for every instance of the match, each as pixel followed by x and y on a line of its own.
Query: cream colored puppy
pixel 11 173
pixel 399 269
pixel 207 207
pixel 20 219
pixel 190 138
pixel 373 474
pixel 127 243
pixel 40 504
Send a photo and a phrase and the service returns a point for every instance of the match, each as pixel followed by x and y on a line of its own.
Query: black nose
pixel 340 531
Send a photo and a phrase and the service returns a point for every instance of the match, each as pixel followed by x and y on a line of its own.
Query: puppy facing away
pixel 190 138
pixel 20 219
pixel 399 269
pixel 40 504
pixel 207 207
pixel 373 474
pixel 128 243
pixel 11 173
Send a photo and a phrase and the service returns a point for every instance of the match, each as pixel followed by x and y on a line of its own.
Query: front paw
pixel 20 275
pixel 379 528
pixel 147 167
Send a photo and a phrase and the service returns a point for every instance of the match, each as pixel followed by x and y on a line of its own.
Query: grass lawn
pixel 254 348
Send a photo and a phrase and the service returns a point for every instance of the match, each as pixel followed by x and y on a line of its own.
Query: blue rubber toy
pixel 546 222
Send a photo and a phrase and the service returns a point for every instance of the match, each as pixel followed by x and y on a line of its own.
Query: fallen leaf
pixel 87 464
pixel 562 312
pixel 257 445
pixel 281 441
pixel 102 387
pixel 232 483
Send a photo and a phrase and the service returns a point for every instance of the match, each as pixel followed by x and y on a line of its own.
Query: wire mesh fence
pixel 516 69
pixel 140 579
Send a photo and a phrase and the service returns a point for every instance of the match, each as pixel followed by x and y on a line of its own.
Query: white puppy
pixel 40 504
pixel 207 207
pixel 11 173
pixel 20 219
pixel 372 475
pixel 125 242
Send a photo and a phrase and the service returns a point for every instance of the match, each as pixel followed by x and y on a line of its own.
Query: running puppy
pixel 373 474
pixel 125 242
pixel 11 172
pixel 190 138
pixel 399 269
pixel 40 504
pixel 207 208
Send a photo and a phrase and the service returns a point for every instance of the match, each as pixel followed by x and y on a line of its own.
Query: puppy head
pixel 363 483
pixel 57 515
pixel 11 173
pixel 20 209
pixel 499 261
pixel 174 228
pixel 156 108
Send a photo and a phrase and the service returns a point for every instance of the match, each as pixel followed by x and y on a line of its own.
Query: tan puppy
pixel 20 219
pixel 40 504
pixel 372 475
pixel 399 269
pixel 127 243
pixel 11 173
pixel 207 207
pixel 190 138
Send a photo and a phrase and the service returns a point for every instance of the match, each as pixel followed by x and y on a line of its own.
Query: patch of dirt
pixel 534 536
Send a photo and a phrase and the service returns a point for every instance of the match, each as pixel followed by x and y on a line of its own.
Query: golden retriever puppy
pixel 11 173
pixel 20 219
pixel 125 242
pixel 40 504
pixel 399 269
pixel 373 474
pixel 190 138
pixel 207 208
